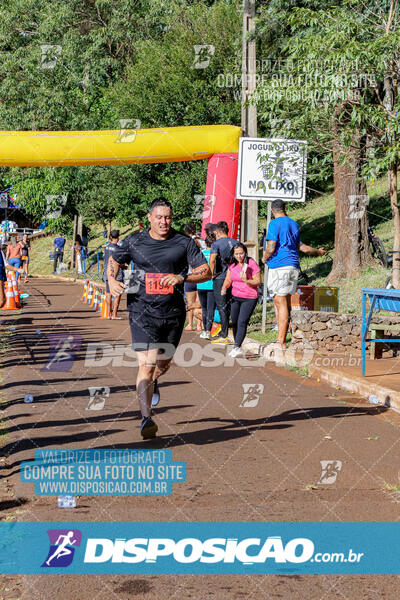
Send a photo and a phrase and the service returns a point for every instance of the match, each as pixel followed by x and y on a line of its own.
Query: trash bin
pixel 326 299
pixel 303 299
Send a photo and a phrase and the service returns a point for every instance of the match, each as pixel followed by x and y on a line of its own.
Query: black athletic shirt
pixel 109 250
pixel 150 257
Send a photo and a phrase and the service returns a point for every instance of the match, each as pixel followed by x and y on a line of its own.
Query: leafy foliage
pixel 113 60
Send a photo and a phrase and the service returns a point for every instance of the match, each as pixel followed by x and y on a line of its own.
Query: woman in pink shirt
pixel 244 275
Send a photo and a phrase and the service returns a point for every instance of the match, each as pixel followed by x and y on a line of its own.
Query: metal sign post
pixel 271 169
pixel 265 285
pixel 249 213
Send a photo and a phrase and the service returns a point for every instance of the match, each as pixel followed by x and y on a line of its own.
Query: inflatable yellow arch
pixel 119 147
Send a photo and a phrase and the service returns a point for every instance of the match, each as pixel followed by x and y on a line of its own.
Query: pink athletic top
pixel 239 288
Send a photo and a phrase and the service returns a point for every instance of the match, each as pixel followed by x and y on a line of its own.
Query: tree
pixel 354 90
pixel 304 91
pixel 113 60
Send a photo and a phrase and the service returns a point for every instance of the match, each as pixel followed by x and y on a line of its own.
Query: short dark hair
pixel 190 229
pixel 209 229
pixel 160 202
pixel 114 234
pixel 222 226
pixel 278 206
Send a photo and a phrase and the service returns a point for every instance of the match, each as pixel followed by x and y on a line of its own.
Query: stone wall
pixel 331 332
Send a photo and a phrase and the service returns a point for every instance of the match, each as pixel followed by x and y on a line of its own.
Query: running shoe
pixel 148 428
pixel 236 351
pixel 199 327
pixel 156 394
pixel 220 340
pixel 188 328
pixel 205 335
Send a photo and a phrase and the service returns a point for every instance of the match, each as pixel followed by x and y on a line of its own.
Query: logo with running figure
pixel 62 351
pixel 330 469
pixel 251 394
pixel 62 547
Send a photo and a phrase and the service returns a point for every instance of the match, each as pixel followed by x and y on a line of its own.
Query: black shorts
pixel 108 287
pixel 149 332
pixel 190 287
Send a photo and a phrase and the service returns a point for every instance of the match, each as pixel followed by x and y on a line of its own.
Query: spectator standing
pixel 59 243
pixel 109 250
pixel 78 253
pixel 205 292
pixel 190 289
pixel 244 276
pixel 282 257
pixel 25 255
pixel 14 253
pixel 220 251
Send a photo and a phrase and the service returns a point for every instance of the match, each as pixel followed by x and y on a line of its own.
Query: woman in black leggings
pixel 244 275
pixel 205 291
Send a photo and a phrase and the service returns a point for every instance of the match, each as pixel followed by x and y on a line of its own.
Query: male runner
pixel 161 258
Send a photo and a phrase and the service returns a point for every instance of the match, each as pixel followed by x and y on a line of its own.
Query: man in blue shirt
pixel 282 258
pixel 219 252
pixel 59 243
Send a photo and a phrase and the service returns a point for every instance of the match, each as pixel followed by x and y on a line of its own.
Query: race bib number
pixel 154 285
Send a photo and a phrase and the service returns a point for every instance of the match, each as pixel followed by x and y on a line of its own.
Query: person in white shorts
pixel 282 258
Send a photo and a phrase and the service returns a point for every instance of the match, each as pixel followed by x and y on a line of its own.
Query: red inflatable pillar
pixel 220 203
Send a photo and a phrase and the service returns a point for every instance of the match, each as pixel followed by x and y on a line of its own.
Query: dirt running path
pixel 243 463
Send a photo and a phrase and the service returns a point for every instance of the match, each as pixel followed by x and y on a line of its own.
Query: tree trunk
pixel 73 240
pixel 396 223
pixel 352 251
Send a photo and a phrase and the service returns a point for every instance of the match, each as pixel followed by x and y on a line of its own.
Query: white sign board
pixel 272 168
pixel 4 200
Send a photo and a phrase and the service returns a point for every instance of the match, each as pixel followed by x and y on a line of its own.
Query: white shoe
pixel 205 335
pixel 236 352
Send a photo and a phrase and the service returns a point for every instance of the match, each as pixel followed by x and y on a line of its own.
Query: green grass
pixel 303 371
pixel 268 337
pixel 392 487
pixel 40 263
pixel 317 223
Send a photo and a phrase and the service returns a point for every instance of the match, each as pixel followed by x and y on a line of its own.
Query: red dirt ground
pixel 243 464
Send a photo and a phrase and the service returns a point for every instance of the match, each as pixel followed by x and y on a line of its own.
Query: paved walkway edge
pixel 360 385
pixel 357 384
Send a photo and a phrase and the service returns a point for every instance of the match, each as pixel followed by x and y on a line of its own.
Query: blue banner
pixel 200 548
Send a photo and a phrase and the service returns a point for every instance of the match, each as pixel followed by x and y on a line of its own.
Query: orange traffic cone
pixel 94 295
pixel 10 300
pixel 85 290
pixel 16 293
pixel 96 300
pixel 105 314
pixel 101 300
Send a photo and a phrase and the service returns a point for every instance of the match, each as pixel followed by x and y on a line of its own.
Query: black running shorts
pixel 147 331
